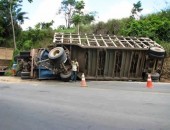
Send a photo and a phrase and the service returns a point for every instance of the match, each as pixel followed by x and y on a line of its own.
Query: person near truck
pixel 75 69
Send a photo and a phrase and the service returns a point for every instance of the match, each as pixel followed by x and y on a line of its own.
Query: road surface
pixel 103 105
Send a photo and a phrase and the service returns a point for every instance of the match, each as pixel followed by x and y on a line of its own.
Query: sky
pixel 46 10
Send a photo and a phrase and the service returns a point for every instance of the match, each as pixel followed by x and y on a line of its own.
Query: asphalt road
pixel 103 105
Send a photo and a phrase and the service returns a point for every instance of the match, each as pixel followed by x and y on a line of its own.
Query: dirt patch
pixel 165 80
pixel 165 76
pixel 18 80
pixel 12 79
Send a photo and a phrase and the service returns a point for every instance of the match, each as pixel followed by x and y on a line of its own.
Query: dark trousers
pixel 74 76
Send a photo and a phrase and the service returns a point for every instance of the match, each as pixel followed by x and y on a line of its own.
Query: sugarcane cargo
pixel 100 57
pixel 6 56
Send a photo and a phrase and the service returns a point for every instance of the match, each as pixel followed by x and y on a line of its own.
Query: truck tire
pixel 25 53
pixel 66 76
pixel 156 56
pixel 18 73
pixel 25 75
pixel 57 55
pixel 155 77
pixel 156 52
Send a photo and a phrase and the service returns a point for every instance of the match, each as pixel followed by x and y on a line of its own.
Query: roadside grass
pixel 166 46
pixel 8 73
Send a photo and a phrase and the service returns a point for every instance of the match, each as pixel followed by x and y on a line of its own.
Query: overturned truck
pixel 6 55
pixel 100 57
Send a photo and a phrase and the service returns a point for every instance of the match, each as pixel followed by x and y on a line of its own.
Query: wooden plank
pixel 70 38
pixel 112 41
pixel 97 63
pixel 129 44
pixel 5 62
pixel 114 63
pixel 87 39
pixel 89 63
pixel 123 64
pixel 138 63
pixel 96 40
pixel 120 42
pixel 6 53
pixel 142 63
pixel 103 41
pixel 126 63
pixel 33 54
pixel 106 65
pixel 131 58
pixel 79 39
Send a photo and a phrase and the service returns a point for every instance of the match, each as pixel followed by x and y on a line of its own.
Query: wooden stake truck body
pixel 100 57
pixel 110 57
pixel 6 55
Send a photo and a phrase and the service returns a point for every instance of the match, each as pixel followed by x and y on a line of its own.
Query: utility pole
pixel 12 23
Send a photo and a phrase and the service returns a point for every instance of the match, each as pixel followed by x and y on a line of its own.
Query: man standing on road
pixel 75 69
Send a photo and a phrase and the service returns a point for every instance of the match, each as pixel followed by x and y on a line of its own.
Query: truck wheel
pixel 57 55
pixel 155 76
pixel 156 56
pixel 156 52
pixel 66 76
pixel 25 75
pixel 18 73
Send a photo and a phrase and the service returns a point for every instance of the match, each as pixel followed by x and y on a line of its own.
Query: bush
pixel 27 44
pixel 166 46
pixel 8 73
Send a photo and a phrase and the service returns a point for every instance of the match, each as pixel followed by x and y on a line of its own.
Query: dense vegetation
pixel 155 26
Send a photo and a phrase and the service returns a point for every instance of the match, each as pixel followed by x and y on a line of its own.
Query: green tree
pixel 88 18
pixel 14 7
pixel 100 28
pixel 72 11
pixel 155 26
pixel 77 17
pixel 44 25
pixel 113 26
pixel 12 22
pixel 67 8
pixel 137 8
pixel 11 16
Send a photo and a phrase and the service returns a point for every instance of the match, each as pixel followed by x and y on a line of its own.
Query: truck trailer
pixel 6 56
pixel 100 57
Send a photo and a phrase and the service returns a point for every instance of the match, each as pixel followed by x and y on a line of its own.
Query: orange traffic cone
pixel 83 81
pixel 149 82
